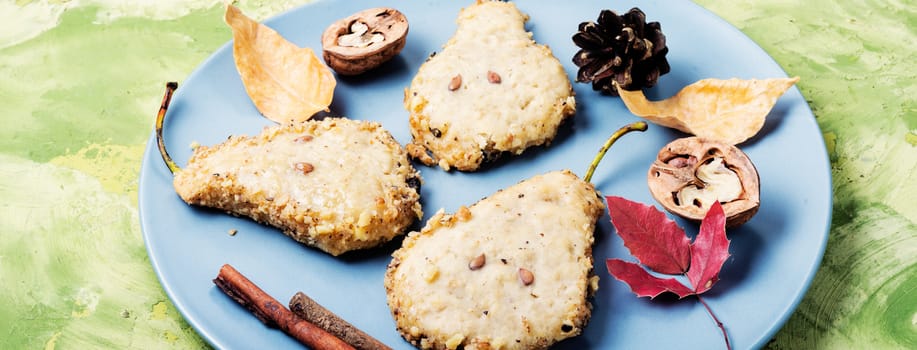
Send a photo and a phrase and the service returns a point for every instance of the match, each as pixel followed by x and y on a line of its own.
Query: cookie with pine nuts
pixel 491 91
pixel 512 271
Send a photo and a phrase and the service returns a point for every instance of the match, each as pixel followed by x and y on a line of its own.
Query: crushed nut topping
pixel 463 213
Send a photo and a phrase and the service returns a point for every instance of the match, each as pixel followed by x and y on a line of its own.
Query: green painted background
pixel 74 271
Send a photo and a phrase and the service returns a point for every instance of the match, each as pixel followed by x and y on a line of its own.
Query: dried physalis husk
pixel 285 82
pixel 729 111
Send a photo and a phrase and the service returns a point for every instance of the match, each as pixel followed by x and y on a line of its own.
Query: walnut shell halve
pixel 676 168
pixel 383 34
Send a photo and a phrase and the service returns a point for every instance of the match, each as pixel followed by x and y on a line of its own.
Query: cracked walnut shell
pixel 690 173
pixel 364 40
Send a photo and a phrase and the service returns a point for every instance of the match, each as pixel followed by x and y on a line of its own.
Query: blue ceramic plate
pixel 774 256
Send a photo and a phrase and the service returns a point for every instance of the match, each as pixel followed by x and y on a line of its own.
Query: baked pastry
pixel 334 184
pixel 492 90
pixel 513 271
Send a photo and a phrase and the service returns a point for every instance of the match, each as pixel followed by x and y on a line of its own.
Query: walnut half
pixel 364 40
pixel 690 173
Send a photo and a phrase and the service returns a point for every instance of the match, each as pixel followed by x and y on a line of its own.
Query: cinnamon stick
pixel 311 311
pixel 272 313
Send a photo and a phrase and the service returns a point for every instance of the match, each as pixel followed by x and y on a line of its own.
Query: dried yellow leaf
pixel 285 82
pixel 729 111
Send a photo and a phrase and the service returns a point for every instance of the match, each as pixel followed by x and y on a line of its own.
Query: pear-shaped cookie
pixel 335 184
pixel 492 90
pixel 513 271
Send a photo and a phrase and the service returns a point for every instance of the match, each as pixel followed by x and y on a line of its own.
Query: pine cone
pixel 623 48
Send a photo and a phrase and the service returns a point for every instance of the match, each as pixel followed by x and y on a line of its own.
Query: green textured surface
pixel 74 269
pixel 856 63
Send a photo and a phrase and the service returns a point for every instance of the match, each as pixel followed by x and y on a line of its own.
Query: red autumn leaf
pixel 707 253
pixel 652 238
pixel 642 226
pixel 709 250
pixel 642 283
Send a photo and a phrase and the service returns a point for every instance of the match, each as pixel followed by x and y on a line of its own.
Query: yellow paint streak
pixel 52 343
pixel 81 313
pixel 170 337
pixel 831 144
pixel 85 302
pixel 160 311
pixel 911 138
pixel 115 166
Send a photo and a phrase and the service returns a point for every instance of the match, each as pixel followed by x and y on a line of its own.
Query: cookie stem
pixel 635 126
pixel 170 88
